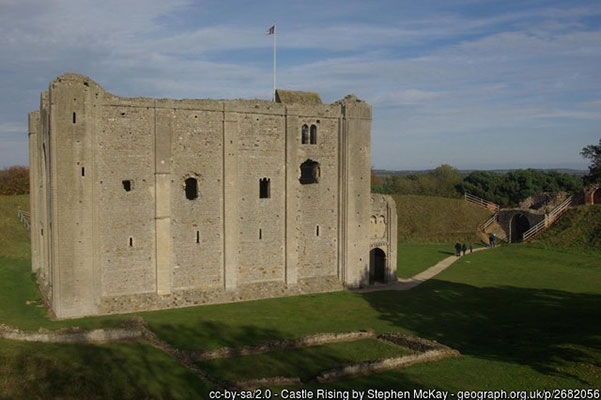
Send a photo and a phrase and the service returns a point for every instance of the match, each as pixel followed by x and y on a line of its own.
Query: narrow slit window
pixel 313 134
pixel 260 233
pixel 191 188
pixel 264 188
pixel 74 117
pixel 317 230
pixel 305 134
pixel 197 236
pixel 127 186
pixel 131 241
pixel 83 171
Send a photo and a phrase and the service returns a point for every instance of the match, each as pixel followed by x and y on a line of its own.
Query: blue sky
pixel 471 83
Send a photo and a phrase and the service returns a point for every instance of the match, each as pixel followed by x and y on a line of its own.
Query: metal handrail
pixel 550 218
pixel 481 202
pixel 24 216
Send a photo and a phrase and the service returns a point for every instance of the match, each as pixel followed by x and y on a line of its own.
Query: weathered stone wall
pixel 383 231
pixel 151 204
pixel 507 215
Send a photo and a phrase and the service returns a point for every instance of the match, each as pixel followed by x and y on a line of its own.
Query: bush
pixel 14 180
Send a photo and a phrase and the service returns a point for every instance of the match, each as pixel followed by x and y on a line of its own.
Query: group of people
pixel 461 247
pixel 492 240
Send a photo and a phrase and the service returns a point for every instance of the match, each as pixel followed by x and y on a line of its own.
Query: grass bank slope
pixel 437 219
pixel 579 230
pixel 14 238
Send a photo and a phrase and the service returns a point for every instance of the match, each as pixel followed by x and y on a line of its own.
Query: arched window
pixel 305 134
pixel 313 134
pixel 191 188
pixel 309 172
pixel 264 188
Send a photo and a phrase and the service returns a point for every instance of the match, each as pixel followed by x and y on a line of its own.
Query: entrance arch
pixel 519 225
pixel 596 196
pixel 377 266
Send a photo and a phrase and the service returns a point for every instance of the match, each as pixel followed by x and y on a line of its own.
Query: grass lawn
pixel 304 363
pixel 112 371
pixel 414 258
pixel 523 316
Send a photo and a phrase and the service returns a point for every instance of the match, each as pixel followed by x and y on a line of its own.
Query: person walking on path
pixel 464 248
pixel 457 249
pixel 490 240
pixel 471 248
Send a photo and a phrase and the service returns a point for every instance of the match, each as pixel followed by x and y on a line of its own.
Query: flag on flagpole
pixel 271 30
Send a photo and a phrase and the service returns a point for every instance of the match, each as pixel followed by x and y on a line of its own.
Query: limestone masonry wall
pixel 144 203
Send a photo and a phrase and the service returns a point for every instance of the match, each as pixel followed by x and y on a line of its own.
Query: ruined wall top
pixel 288 102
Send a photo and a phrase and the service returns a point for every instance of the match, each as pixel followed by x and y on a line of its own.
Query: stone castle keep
pixel 140 204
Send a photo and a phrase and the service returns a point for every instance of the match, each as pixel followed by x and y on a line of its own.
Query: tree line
pixel 14 180
pixel 506 189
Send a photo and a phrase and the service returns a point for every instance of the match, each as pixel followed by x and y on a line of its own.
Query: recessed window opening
pixel 131 241
pixel 191 188
pixel 264 188
pixel 74 117
pixel 42 232
pixel 317 230
pixel 260 233
pixel 313 134
pixel 305 134
pixel 83 171
pixel 127 186
pixel 309 172
pixel 197 236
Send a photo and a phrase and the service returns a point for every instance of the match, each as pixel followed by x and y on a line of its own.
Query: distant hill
pixel 437 219
pixel 385 172
pixel 579 229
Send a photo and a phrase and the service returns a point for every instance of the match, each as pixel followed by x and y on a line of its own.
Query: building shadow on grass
pixel 542 328
pixel 112 371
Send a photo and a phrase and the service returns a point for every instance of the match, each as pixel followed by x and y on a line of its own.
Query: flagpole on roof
pixel 272 31
pixel 274 58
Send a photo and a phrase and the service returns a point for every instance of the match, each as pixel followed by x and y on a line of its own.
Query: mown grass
pixel 111 371
pixel 429 219
pixel 523 316
pixel 305 363
pixel 414 258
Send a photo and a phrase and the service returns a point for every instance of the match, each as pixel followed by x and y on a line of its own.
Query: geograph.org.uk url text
pixel 378 394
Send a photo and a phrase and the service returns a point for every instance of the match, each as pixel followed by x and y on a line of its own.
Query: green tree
pixel 14 180
pixel 593 154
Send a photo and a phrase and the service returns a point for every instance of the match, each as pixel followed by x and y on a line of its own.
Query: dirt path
pixel 406 284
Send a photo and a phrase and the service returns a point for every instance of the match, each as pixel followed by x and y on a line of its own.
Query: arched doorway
pixel 377 266
pixel 519 225
pixel 596 196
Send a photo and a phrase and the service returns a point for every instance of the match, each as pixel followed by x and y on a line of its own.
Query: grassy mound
pixel 579 229
pixel 13 236
pixel 437 219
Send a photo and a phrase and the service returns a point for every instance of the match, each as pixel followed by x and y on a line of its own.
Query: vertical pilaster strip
pixel 230 198
pixel 341 202
pixel 292 206
pixel 34 178
pixel 162 131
